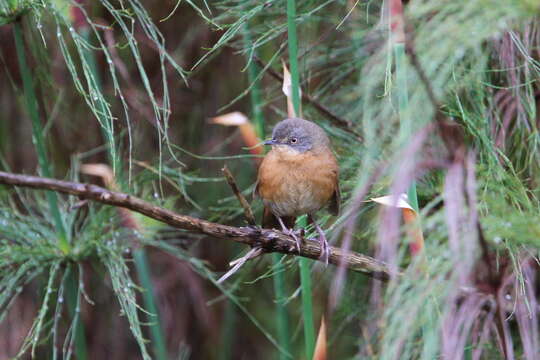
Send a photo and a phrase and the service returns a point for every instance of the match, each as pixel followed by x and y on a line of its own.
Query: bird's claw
pixel 325 249
pixel 297 236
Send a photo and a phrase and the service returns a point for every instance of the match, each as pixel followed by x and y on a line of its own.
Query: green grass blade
pixel 143 273
pixel 305 277
pixel 37 132
pixel 282 318
pixel 39 141
pixel 107 125
pixel 307 307
pixel 73 296
pixel 293 54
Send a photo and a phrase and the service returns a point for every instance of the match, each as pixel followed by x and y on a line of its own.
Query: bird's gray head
pixel 299 134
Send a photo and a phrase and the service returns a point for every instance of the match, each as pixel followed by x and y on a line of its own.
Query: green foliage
pixel 11 10
pixel 481 63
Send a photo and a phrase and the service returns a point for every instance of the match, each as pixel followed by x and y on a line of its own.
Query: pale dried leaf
pixel 401 201
pixel 287 90
pixel 249 134
pixel 231 119
pixel 103 171
pixel 410 218
pixel 287 82
pixel 320 347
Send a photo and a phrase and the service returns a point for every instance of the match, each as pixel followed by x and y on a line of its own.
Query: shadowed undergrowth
pixel 133 85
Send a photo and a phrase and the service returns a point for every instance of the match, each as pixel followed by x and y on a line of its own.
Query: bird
pixel 298 176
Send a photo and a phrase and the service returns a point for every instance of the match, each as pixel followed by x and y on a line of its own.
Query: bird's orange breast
pixel 293 184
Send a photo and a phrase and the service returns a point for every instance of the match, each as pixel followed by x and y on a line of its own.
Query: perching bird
pixel 298 176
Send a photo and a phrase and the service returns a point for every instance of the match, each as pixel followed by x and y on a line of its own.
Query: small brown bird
pixel 298 176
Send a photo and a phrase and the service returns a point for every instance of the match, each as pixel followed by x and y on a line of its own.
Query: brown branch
pixel 340 122
pixel 248 213
pixel 268 240
pixel 449 131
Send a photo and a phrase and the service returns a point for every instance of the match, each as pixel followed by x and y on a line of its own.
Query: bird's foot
pixel 297 235
pixel 325 249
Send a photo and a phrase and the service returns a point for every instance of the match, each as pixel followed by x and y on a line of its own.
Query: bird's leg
pixel 290 232
pixel 325 252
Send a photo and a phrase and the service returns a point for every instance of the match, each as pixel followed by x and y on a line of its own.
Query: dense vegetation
pixel 437 100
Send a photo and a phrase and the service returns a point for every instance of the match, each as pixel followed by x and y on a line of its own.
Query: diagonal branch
pixel 338 121
pixel 248 213
pixel 268 240
pixel 449 131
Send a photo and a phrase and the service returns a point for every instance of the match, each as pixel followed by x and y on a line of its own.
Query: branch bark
pixel 268 240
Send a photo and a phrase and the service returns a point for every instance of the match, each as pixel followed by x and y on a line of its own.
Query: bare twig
pixel 449 131
pixel 248 213
pixel 339 121
pixel 238 263
pixel 268 240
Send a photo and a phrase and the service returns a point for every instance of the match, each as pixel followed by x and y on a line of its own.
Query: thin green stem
pixel 140 259
pixel 293 54
pixel 307 307
pixel 282 318
pixel 305 276
pixel 73 297
pixel 107 126
pixel 37 133
pixel 38 136
pixel 39 142
pixel 156 333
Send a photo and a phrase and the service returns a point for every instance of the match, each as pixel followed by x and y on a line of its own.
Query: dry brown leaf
pixel 287 90
pixel 320 347
pixel 401 202
pixel 410 218
pixel 105 172
pixel 247 129
pixel 235 118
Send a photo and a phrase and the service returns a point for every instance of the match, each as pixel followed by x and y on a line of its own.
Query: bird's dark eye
pixel 294 140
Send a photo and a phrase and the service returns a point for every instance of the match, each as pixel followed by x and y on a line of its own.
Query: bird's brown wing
pixel 335 201
pixel 269 220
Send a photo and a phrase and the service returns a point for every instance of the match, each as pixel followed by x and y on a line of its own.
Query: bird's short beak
pixel 270 142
